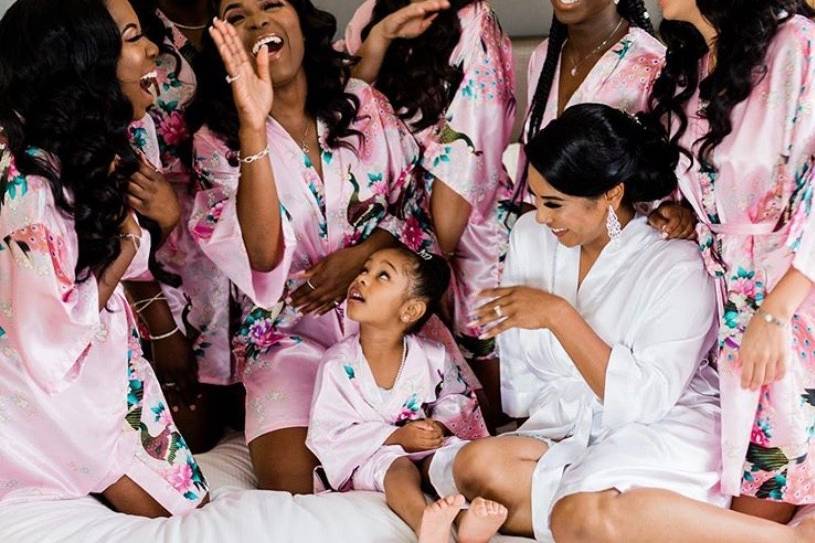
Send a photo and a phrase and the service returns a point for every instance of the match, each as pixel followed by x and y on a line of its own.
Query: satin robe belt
pixel 710 251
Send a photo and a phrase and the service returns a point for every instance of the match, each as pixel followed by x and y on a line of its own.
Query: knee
pixel 586 517
pixel 477 469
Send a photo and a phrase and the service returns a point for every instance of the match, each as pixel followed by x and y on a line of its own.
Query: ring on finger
pixel 498 311
pixel 231 79
pixel 310 285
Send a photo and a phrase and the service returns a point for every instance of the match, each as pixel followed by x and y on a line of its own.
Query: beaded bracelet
pixel 163 336
pixel 252 158
pixel 769 318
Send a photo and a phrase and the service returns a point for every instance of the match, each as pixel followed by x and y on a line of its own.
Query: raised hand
pixel 412 20
pixel 250 79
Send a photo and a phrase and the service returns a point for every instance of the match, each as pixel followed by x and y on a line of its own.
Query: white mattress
pixel 237 514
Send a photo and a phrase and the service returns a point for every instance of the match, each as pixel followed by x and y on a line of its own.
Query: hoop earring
pixel 613 225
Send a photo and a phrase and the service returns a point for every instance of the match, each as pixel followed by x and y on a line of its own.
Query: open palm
pixel 251 83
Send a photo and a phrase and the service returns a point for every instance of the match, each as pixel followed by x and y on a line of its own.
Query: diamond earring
pixel 613 224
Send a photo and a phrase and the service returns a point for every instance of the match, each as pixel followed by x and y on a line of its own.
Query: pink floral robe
pixel 79 405
pixel 757 222
pixel 622 78
pixel 278 348
pixel 465 150
pixel 351 416
pixel 201 306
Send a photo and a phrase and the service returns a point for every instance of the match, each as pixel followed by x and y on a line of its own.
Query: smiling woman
pixel 304 172
pixel 72 77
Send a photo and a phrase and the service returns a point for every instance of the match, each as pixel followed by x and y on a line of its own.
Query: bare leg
pixel 770 510
pixel 500 469
pixel 283 462
pixel 647 515
pixel 403 492
pixel 125 496
pixel 481 521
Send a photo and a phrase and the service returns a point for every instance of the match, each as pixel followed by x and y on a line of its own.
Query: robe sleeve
pixel 344 432
pixel 215 226
pixel 51 318
pixel 353 31
pixel 796 65
pixel 467 150
pixel 648 371
pixel 456 406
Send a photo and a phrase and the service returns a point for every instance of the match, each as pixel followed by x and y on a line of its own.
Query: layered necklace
pixel 603 44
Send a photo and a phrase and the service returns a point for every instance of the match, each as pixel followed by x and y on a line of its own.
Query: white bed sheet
pixel 237 514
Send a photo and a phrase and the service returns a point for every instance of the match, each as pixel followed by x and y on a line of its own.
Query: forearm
pixel 371 55
pixel 587 350
pixel 379 239
pixel 450 213
pixel 258 205
pixel 109 278
pixel 788 295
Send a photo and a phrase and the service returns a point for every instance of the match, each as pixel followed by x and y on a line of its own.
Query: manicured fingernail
pixel 471 324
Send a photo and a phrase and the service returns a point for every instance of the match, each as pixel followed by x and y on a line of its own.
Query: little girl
pixel 390 410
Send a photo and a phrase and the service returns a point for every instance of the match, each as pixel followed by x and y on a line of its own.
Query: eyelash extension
pixel 136 38
pixel 552 206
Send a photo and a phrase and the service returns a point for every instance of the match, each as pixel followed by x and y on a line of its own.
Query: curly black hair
pixel 416 74
pixel 744 33
pixel 327 72
pixel 59 94
pixel 633 11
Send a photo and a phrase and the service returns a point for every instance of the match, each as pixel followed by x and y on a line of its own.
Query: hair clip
pixel 424 254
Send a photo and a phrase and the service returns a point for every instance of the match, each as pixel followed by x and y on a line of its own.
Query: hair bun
pixel 654 176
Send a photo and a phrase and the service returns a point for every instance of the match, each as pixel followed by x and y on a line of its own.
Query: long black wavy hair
pixel 591 148
pixel 327 71
pixel 416 74
pixel 154 29
pixel 744 32
pixel 59 94
pixel 633 11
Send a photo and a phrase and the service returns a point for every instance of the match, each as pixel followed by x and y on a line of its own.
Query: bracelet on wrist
pixel 252 158
pixel 163 336
pixel 135 239
pixel 769 318
pixel 141 305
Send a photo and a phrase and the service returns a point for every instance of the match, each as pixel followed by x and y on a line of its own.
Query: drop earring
pixel 613 224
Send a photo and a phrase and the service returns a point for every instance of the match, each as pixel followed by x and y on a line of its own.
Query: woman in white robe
pixel 603 351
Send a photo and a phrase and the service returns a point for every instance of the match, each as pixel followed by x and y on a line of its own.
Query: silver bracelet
pixel 141 305
pixel 769 318
pixel 252 158
pixel 134 238
pixel 163 336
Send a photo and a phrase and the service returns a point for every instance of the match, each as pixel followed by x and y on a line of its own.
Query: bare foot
pixel 805 530
pixel 438 518
pixel 481 521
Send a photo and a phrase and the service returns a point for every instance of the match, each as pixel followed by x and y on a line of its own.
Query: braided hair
pixel 633 11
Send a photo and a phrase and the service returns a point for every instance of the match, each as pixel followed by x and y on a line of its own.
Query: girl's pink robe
pixel 352 417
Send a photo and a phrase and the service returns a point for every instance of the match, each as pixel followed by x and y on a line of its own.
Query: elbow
pixel 264 262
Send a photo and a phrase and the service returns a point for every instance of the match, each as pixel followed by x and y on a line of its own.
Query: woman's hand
pixel 327 283
pixel 764 353
pixel 150 194
pixel 417 436
pixel 674 220
pixel 517 307
pixel 411 21
pixel 176 367
pixel 251 83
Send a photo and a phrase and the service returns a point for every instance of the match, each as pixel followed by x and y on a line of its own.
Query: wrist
pixel 776 310
pixel 558 315
pixel 378 37
pixel 252 139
